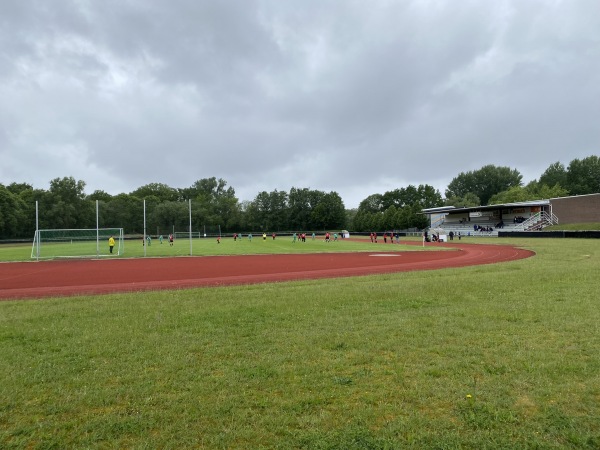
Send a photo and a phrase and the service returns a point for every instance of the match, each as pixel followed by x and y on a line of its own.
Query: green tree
pixel 18 188
pixel 160 191
pixel 513 195
pixel 468 200
pixel 407 203
pixel 302 203
pixel 101 196
pixel 425 196
pixel 29 196
pixel 172 215
pixel 350 217
pixel 389 220
pixel 151 202
pixel 404 219
pixel 554 174
pixel 583 176
pixel 11 213
pixel 533 191
pixel 484 183
pixel 214 203
pixel 66 205
pixel 372 204
pixel 330 212
pixel 366 218
pixel 125 211
pixel 543 191
pixel 269 211
pixel 362 220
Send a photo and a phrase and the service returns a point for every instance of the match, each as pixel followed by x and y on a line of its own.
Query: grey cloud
pixel 268 95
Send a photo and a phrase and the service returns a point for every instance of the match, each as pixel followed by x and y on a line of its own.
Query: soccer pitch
pixel 136 248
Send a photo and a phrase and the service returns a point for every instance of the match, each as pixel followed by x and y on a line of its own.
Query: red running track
pixel 84 277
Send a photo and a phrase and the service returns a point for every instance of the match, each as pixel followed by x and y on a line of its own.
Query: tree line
pixel 214 203
pixel 492 185
pixel 214 207
pixel 400 208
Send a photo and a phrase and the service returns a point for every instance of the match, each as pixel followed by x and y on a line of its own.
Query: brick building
pixel 577 209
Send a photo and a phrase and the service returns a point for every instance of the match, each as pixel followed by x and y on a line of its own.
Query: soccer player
pixel 111 243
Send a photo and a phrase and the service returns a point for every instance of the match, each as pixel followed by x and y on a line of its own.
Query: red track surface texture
pixel 82 277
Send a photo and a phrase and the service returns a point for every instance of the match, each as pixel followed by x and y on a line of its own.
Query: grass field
pixel 203 247
pixel 593 226
pixel 495 356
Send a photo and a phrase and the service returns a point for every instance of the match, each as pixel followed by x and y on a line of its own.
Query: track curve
pixel 85 277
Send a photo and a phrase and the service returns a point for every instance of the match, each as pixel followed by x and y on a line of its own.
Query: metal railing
pixel 539 221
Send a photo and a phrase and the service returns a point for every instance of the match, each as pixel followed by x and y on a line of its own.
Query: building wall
pixel 578 209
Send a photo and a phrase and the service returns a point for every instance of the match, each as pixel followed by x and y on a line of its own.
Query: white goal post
pixel 77 243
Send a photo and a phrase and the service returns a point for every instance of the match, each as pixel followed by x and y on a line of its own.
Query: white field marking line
pixel 384 254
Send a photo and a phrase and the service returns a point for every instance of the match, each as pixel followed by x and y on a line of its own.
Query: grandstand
pixel 521 216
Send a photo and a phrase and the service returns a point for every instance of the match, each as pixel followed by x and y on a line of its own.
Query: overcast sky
pixel 349 96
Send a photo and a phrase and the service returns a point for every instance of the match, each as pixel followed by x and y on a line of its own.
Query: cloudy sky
pixel 349 96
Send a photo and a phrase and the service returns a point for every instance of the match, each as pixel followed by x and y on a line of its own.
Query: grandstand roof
pixel 448 209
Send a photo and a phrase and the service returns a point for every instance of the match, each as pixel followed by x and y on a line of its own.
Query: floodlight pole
pixel 144 238
pixel 190 209
pixel 37 233
pixel 97 233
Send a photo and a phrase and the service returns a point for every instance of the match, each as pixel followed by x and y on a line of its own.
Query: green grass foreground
pixel 495 356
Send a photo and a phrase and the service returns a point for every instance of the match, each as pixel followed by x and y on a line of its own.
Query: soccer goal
pixel 77 243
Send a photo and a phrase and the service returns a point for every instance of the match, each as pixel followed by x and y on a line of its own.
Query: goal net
pixel 77 243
